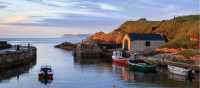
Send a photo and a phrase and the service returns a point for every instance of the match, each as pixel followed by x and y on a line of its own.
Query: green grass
pixel 181 42
pixel 5 46
pixel 188 52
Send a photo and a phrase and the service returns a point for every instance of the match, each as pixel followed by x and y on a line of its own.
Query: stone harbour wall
pixel 10 59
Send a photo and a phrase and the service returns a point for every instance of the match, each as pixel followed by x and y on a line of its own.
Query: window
pixel 148 43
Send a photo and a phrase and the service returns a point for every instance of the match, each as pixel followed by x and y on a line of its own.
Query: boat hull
pixel 177 70
pixel 121 61
pixel 141 68
pixel 47 77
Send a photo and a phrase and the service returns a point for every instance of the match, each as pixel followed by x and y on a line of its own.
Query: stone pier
pixel 12 57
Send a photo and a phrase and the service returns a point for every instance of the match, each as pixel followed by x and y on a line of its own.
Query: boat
pixel 140 66
pixel 178 70
pixel 45 73
pixel 119 58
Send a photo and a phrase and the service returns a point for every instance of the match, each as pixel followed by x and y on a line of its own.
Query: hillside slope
pixel 182 32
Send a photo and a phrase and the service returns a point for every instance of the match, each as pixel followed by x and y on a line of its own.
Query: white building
pixel 142 43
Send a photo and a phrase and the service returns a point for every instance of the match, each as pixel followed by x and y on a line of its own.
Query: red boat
pixel 45 73
pixel 118 58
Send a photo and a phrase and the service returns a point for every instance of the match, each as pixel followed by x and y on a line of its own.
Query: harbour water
pixel 78 73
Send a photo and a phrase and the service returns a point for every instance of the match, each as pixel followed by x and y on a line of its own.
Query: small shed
pixel 142 42
pixel 4 45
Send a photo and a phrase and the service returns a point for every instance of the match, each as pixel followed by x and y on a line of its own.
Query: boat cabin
pixel 120 54
pixel 117 54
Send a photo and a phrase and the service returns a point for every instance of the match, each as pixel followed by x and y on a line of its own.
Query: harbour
pixel 90 73
pixel 99 44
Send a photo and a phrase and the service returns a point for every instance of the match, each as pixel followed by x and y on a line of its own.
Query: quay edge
pixel 10 59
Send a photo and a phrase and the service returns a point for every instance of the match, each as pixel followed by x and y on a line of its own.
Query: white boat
pixel 178 70
pixel 117 54
pixel 118 58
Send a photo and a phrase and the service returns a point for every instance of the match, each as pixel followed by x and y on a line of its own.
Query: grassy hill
pixel 182 31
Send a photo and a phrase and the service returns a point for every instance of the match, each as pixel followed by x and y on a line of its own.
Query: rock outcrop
pixel 66 46
pixel 113 37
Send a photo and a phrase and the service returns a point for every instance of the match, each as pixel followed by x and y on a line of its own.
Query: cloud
pixel 89 14
pixel 14 19
pixel 106 6
pixel 53 3
pixel 35 30
pixel 37 10
pixel 74 21
pixel 3 5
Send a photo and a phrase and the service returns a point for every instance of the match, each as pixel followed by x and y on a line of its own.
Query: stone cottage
pixel 142 43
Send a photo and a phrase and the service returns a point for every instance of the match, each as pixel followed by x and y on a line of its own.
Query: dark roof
pixel 135 36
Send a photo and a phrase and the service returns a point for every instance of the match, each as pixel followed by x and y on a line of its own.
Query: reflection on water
pixel 84 73
pixel 97 64
pixel 121 71
pixel 177 77
pixel 16 72
pixel 83 61
pixel 45 81
pixel 158 79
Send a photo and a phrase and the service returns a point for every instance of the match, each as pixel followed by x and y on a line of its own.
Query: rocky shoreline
pixel 66 46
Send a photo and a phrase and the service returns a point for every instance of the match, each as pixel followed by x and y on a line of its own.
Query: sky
pixel 57 17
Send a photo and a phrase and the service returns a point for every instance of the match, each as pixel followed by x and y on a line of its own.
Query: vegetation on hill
pixel 113 37
pixel 182 31
pixel 188 53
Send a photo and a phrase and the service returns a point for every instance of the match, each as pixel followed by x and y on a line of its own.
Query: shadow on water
pixel 98 64
pixel 163 78
pixel 160 78
pixel 45 81
pixel 85 61
pixel 16 72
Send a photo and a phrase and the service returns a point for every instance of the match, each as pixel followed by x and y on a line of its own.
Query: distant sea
pixel 42 40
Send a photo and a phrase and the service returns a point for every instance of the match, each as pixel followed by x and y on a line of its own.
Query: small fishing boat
pixel 141 66
pixel 45 73
pixel 178 70
pixel 118 58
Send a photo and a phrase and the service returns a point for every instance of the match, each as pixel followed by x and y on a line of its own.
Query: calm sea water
pixel 78 73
